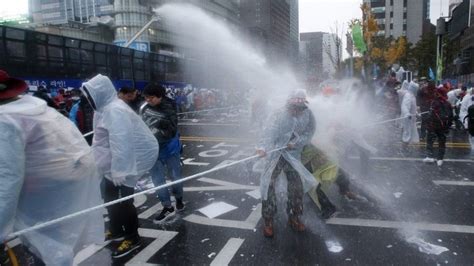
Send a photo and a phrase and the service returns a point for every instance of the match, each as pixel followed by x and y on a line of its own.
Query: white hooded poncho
pixel 47 171
pixel 123 145
pixel 410 132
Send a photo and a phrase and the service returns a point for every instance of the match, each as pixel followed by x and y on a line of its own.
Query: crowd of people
pixel 45 157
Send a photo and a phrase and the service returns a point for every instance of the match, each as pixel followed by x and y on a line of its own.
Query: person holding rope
pixel 47 171
pixel 124 149
pixel 159 113
pixel 408 113
pixel 293 127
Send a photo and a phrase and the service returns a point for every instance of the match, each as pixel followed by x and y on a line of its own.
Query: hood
pixel 405 85
pixel 413 87
pixel 99 91
pixel 26 105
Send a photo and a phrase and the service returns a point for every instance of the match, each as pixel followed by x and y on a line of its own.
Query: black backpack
pixel 470 120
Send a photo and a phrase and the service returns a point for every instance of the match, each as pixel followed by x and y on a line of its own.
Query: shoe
pixel 179 204
pixel 165 214
pixel 327 213
pixel 439 163
pixel 296 224
pixel 429 160
pixel 114 238
pixel 268 228
pixel 126 247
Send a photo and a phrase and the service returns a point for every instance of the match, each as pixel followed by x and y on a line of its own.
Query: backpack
pixel 470 120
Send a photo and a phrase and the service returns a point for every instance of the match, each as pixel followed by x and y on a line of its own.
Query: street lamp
pixel 153 19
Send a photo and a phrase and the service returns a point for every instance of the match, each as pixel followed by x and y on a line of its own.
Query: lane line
pixel 162 238
pixel 227 252
pixel 453 183
pixel 151 211
pixel 88 252
pixel 451 228
pixel 250 223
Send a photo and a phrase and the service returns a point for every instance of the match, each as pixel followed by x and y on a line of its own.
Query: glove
pixel 409 117
pixel 118 180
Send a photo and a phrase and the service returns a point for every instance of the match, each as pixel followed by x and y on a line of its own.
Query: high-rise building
pixel 397 18
pixel 319 54
pixel 294 30
pixel 453 4
pixel 269 24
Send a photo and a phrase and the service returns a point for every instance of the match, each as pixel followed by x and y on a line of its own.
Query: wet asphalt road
pixel 406 210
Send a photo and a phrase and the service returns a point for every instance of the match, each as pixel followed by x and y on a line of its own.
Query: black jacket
pixel 162 119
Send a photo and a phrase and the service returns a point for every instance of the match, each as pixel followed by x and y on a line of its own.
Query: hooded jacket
pixel 123 145
pixel 161 119
pixel 47 171
pixel 408 112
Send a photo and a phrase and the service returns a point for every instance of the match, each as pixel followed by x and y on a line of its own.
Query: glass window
pixel 100 47
pixel 15 34
pixel 100 59
pixel 126 73
pixel 86 56
pixel 139 75
pixel 16 49
pixel 41 51
pixel 87 45
pixel 74 55
pixel 55 52
pixel 56 40
pixel 124 61
pixel 40 37
pixel 72 43
pixel 125 51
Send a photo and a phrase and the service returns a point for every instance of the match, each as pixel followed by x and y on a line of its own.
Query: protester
pixel 466 115
pixel 124 150
pixel 408 114
pixel 159 113
pixel 292 127
pixel 42 93
pixel 47 171
pixel 424 98
pixel 129 96
pixel 439 122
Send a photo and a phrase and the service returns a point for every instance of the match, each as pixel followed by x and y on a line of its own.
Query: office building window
pixel 404 27
pixel 391 14
pixel 404 3
pixel 391 26
pixel 404 15
pixel 391 2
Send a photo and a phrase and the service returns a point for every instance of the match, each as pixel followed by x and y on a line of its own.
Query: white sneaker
pixel 428 160
pixel 439 162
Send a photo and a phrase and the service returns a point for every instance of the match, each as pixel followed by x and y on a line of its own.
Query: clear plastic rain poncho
pixel 47 171
pixel 123 145
pixel 410 132
pixel 283 128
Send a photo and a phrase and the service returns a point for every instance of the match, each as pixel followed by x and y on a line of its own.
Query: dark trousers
pixel 295 192
pixel 424 123
pixel 440 134
pixel 123 216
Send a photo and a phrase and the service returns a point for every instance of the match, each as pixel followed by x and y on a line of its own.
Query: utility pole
pixel 440 31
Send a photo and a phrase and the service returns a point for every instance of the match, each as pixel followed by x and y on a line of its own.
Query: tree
pixel 424 54
pixel 335 38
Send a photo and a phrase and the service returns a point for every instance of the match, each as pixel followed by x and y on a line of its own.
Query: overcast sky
pixel 321 15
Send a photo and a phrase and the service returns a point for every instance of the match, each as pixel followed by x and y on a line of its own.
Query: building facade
pixel 268 23
pixel 320 55
pixel 397 18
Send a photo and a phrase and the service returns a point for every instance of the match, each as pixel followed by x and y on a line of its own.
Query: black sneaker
pixel 327 213
pixel 113 237
pixel 165 214
pixel 179 204
pixel 126 247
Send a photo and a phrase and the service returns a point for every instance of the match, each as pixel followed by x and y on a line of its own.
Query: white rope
pixel 395 119
pixel 70 216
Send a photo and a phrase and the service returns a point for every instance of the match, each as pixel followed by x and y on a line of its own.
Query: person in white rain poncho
pixel 47 171
pixel 125 149
pixel 408 113
pixel 465 118
pixel 293 127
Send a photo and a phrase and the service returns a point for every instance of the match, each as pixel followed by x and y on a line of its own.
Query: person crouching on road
pixel 47 171
pixel 293 127
pixel 159 113
pixel 439 122
pixel 124 149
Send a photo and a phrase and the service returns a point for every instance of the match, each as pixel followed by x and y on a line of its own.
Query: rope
pixel 391 120
pixel 70 216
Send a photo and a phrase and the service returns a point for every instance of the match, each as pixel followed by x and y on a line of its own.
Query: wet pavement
pixel 408 212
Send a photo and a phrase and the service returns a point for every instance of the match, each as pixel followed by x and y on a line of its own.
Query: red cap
pixel 10 87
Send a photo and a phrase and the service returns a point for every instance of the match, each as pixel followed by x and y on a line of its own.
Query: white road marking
pixel 221 185
pixel 162 238
pixel 213 153
pixel 189 161
pixel 223 144
pixel 453 228
pixel 88 252
pixel 453 183
pixel 250 223
pixel 207 124
pixel 150 211
pixel 227 252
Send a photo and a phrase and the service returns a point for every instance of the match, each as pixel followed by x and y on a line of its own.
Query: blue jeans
pixel 173 165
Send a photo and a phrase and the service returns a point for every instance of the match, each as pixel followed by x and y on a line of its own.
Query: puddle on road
pixel 426 247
